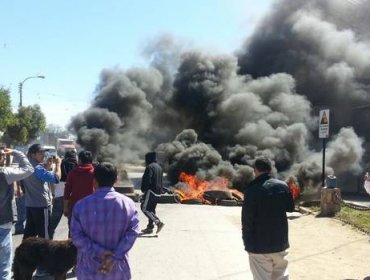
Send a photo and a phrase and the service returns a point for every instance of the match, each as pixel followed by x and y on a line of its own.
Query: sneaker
pixel 160 226
pixel 147 231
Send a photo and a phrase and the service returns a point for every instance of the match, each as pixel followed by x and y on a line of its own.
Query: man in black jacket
pixel 151 186
pixel 265 224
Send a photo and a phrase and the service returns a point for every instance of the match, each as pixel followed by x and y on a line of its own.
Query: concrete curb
pixel 305 210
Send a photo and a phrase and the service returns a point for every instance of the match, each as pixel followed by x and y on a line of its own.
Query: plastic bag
pixel 367 186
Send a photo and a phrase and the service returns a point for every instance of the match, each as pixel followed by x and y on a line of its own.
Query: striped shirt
pixel 105 220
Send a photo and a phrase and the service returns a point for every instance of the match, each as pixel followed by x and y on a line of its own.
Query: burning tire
pixel 216 196
pixel 192 201
pixel 228 202
pixel 237 196
pixel 167 198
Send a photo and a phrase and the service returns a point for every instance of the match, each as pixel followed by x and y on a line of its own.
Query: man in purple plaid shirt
pixel 104 228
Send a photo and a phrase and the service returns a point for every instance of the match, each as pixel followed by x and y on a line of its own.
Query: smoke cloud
pixel 324 46
pixel 213 114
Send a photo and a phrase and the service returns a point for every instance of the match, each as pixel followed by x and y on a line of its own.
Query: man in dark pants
pixel 265 224
pixel 38 196
pixel 151 186
pixel 68 163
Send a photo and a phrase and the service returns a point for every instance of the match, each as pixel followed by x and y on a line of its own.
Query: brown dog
pixel 57 257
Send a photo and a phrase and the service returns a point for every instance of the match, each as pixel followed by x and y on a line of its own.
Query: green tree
pixel 29 123
pixel 6 115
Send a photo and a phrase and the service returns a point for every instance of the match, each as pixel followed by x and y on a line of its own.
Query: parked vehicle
pixel 64 145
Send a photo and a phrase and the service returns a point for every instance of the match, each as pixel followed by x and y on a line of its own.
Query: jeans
pixel 21 214
pixel 56 214
pixel 6 253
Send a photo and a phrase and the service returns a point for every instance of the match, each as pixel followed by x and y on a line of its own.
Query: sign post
pixel 323 134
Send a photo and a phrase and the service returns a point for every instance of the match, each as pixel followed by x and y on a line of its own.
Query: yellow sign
pixel 324 119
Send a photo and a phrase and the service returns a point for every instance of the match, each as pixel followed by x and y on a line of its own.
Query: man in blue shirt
pixel 38 195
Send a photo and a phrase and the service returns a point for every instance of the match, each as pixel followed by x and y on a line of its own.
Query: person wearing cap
pixel 151 186
pixel 265 224
pixel 8 175
pixel 37 195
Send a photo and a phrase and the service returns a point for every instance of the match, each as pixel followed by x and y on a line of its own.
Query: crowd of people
pixel 48 188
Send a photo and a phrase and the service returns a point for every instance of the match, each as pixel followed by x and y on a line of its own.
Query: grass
pixel 357 218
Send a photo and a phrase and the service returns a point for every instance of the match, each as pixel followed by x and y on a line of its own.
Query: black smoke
pixel 213 114
pixel 324 45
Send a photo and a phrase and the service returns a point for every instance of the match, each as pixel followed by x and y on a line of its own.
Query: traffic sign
pixel 324 124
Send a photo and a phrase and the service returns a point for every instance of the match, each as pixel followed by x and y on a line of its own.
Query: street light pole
pixel 21 86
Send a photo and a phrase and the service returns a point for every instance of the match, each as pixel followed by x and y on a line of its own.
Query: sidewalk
pixel 204 242
pixel 362 200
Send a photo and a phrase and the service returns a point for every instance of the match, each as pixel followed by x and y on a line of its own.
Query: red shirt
pixel 79 183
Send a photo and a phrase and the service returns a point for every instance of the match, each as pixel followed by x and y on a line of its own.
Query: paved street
pixel 204 242
pixel 197 242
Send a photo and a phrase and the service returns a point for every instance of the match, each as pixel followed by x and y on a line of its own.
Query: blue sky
pixel 70 42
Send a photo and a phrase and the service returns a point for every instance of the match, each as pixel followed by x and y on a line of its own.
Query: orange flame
pixel 196 187
pixel 294 189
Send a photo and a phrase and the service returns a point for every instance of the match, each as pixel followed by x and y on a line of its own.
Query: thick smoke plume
pixel 324 45
pixel 213 114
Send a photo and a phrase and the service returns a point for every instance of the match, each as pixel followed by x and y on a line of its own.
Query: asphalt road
pixel 203 242
pixel 197 242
